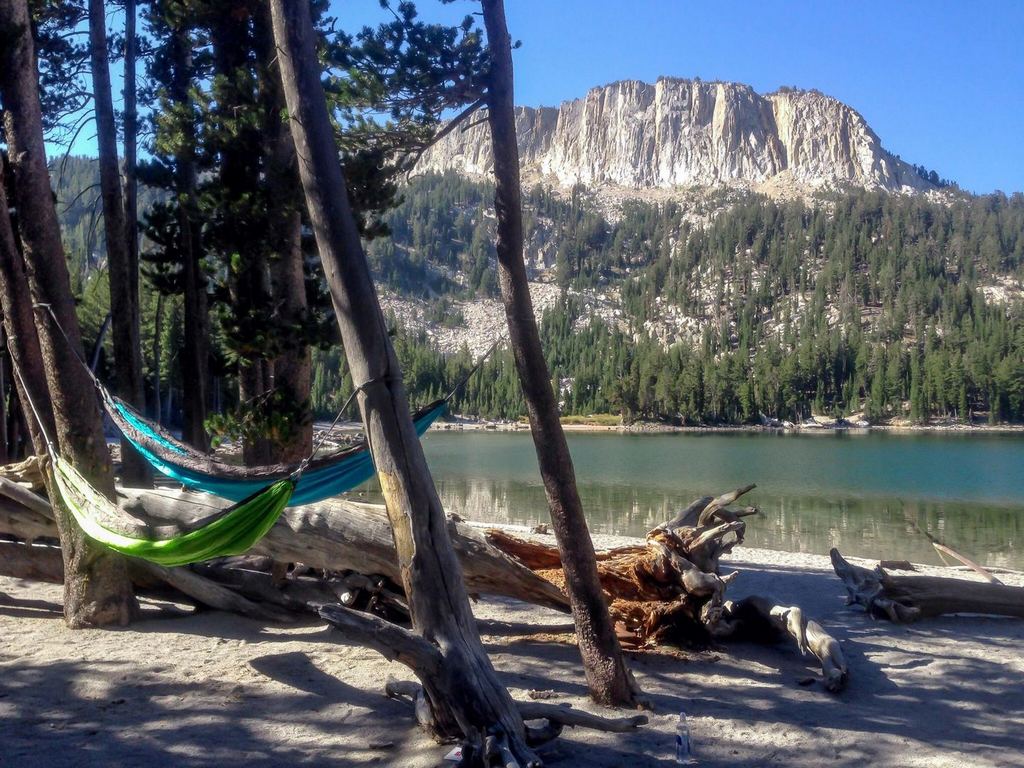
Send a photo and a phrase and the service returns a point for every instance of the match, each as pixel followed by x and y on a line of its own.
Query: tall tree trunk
pixel 464 690
pixel 4 379
pixel 124 276
pixel 609 680
pixel 248 279
pixel 292 368
pixel 131 127
pixel 158 331
pixel 96 587
pixel 131 181
pixel 195 354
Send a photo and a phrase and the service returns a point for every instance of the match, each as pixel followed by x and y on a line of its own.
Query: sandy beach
pixel 213 689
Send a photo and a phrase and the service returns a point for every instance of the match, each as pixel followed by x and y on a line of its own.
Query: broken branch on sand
pixel 904 599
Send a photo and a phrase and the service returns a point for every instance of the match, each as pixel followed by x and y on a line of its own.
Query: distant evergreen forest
pixel 864 301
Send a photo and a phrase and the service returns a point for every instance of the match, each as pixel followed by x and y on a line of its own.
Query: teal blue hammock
pixel 314 479
pixel 321 479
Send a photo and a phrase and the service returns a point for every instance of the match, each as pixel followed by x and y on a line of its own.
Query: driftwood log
pixel 28 473
pixel 341 535
pixel 346 538
pixel 43 562
pixel 905 599
pixel 671 589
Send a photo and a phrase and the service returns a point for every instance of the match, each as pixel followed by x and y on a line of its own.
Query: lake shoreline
pixel 655 428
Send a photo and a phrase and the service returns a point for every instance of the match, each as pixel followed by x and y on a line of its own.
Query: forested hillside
pixel 900 306
pixel 895 305
pixel 76 185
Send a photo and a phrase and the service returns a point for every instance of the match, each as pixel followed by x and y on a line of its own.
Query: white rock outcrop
pixel 686 133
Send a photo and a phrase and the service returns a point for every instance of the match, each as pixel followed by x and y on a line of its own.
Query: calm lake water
pixel 857 492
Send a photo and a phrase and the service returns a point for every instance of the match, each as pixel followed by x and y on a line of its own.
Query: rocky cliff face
pixel 684 133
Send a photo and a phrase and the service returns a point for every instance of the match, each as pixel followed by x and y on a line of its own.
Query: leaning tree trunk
pixel 292 367
pixel 609 680
pixel 19 326
pixel 124 275
pixel 461 685
pixel 97 590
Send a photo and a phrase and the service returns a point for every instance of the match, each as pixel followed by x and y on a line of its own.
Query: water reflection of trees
pixel 875 528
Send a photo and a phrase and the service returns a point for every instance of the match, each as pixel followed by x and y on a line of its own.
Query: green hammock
pixel 231 531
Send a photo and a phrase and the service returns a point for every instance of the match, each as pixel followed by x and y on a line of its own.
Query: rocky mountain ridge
pixel 677 134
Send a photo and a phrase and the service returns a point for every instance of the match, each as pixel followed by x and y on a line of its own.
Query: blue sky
pixel 941 82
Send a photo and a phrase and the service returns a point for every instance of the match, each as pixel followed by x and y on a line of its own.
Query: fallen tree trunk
pixel 335 535
pixel 44 563
pixel 27 473
pixel 904 599
pixel 36 563
pixel 23 523
pixel 340 535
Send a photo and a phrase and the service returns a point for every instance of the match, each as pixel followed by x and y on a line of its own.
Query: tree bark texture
pixel 248 280
pixel 292 367
pixel 195 353
pixel 97 590
pixel 465 693
pixel 609 680
pixel 123 268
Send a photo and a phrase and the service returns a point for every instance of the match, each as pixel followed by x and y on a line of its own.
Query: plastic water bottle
pixel 684 749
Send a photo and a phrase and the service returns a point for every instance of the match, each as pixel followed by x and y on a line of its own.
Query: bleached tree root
pixel 905 599
pixel 759 618
pixel 671 589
